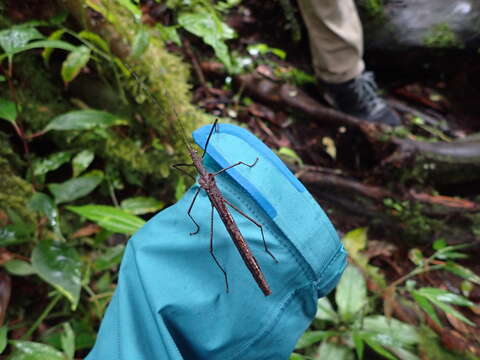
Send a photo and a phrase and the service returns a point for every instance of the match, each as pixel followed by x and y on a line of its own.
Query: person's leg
pixel 336 42
pixel 336 38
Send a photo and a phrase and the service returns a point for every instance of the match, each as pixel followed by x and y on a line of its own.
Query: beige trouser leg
pixel 336 38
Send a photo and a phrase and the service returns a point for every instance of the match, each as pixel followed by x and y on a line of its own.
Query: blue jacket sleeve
pixel 171 302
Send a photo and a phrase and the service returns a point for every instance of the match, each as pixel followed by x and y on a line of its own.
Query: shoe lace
pixel 366 89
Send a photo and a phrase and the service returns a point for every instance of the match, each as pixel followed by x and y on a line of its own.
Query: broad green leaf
pixel 19 267
pixel 3 338
pixel 16 234
pixel 84 120
pixel 74 63
pixel 452 311
pixel 391 332
pixel 50 163
pixel 311 337
pixel 47 52
pixel 68 341
pixel 325 310
pixel 180 188
pixel 140 43
pixel 59 265
pixel 8 110
pixel 351 294
pixel 141 205
pixel 355 241
pixel 94 39
pixel 58 44
pixel 169 34
pixel 463 272
pixel 82 161
pixel 77 187
pixel 110 218
pixel 214 32
pixel 17 37
pixel 330 351
pixel 109 258
pixel 28 350
pixel 44 204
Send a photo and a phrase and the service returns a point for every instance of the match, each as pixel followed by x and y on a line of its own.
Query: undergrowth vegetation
pixel 85 159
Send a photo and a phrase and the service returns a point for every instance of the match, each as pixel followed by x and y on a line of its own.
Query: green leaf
pixel 8 110
pixel 311 337
pixel 140 43
pixel 359 344
pixel 262 49
pixel 59 265
pixel 3 338
pixel 82 161
pixel 47 52
pixel 43 204
pixel 127 4
pixel 391 332
pixel 110 218
pixel 17 37
pixel 290 154
pixel 330 351
pixel 297 357
pixel 74 63
pixel 76 188
pixel 214 32
pixel 50 163
pixel 423 302
pixel 84 120
pixel 68 341
pixel 439 244
pixel 110 258
pixel 444 296
pixel 325 310
pixel 141 205
pixel 355 241
pixel 28 350
pixel 41 44
pixel 180 188
pixel 19 267
pixel 16 234
pixel 169 34
pixel 351 294
pixel 372 342
pixel 94 39
pixel 463 272
pixel 416 256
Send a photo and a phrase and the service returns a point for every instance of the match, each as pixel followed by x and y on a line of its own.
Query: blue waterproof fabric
pixel 171 303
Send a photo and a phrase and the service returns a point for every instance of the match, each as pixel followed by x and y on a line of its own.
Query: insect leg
pixel 214 127
pixel 178 167
pixel 211 251
pixel 238 163
pixel 256 223
pixel 190 209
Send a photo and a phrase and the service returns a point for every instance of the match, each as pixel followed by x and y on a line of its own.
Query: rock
pixel 397 24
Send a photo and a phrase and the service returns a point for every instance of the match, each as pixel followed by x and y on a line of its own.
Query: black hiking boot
pixel 359 98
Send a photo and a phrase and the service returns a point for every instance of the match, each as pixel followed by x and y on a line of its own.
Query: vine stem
pixel 42 317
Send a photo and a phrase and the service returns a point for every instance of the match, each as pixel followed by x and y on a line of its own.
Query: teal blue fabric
pixel 171 303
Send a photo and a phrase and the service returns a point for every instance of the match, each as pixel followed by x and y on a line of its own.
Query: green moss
pixel 14 191
pixel 442 36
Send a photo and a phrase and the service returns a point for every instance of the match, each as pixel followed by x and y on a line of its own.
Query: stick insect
pixel 207 182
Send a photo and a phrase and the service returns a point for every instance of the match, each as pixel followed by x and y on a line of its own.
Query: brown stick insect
pixel 207 182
